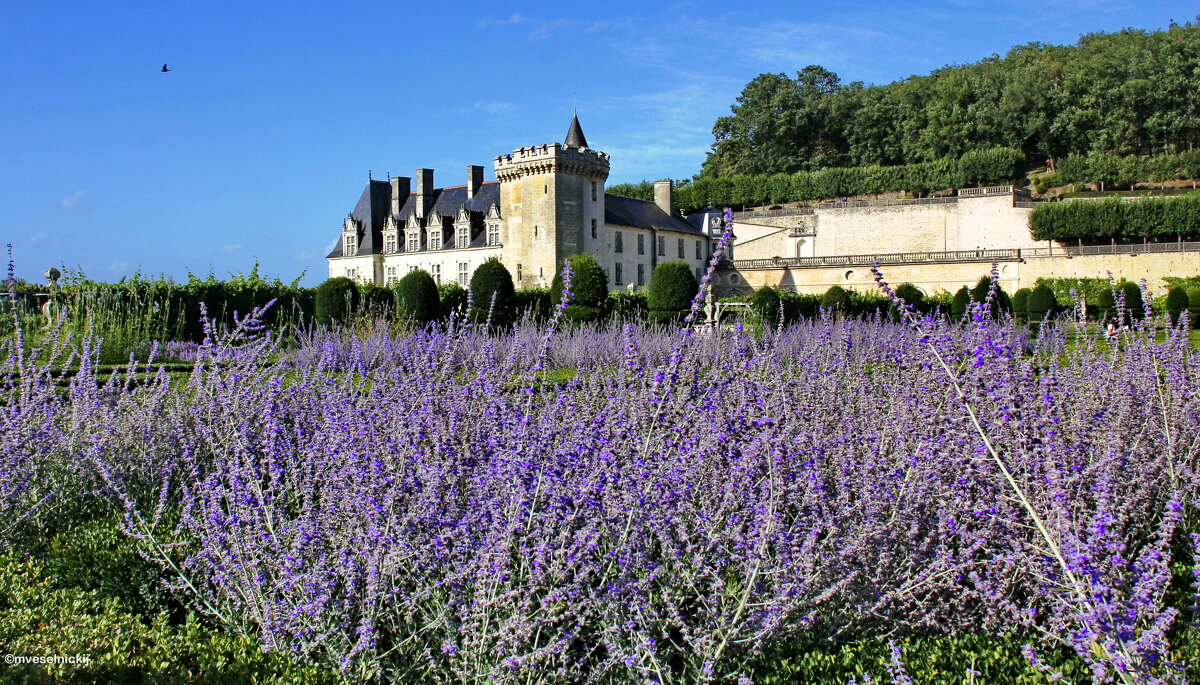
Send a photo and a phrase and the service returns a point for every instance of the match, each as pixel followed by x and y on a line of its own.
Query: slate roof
pixel 641 214
pixel 447 200
pixel 702 221
pixel 375 203
pixel 575 134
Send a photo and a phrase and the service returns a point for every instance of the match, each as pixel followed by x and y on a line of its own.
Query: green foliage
pixel 1105 304
pixel 984 167
pixel 766 303
pixel 1177 303
pixel 376 300
pixel 1133 299
pixel 797 306
pixel 1194 306
pixel 533 302
pixel 452 298
pixel 911 295
pixel 492 287
pixel 1042 303
pixel 962 298
pixel 1120 94
pixel 38 616
pixel 1114 218
pixel 626 306
pixel 1112 170
pixel 589 288
pixel 417 297
pixel 1020 304
pixel 836 298
pixel 335 299
pixel 672 287
pixel 637 191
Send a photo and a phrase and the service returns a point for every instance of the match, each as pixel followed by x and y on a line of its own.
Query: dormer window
pixel 389 243
pixel 350 245
pixel 493 234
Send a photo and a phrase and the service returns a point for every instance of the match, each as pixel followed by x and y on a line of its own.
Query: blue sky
pixel 259 141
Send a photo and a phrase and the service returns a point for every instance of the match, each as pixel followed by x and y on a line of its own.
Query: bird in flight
pixel 165 68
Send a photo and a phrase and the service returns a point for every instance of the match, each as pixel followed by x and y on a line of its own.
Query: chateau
pixel 547 203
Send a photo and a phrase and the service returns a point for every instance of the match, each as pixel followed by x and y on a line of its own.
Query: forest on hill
pixel 1133 92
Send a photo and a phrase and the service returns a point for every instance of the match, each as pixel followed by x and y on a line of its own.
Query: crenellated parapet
pixel 552 158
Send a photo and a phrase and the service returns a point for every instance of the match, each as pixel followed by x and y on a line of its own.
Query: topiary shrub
pixel 452 299
pixel 836 298
pixel 492 288
pixel 589 288
pixel 1020 304
pixel 1000 300
pixel 334 300
pixel 1042 303
pixel 958 306
pixel 1133 300
pixel 672 287
pixel 1177 304
pixel 911 295
pixel 417 297
pixel 1105 304
pixel 766 303
pixel 1194 306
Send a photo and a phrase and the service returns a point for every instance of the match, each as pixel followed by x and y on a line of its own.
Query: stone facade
pixel 935 244
pixel 547 203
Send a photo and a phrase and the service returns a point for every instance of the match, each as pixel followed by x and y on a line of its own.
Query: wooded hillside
pixel 1134 92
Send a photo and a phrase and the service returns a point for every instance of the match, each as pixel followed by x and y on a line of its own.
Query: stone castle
pixel 547 203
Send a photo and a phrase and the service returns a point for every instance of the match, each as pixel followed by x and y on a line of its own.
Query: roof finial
pixel 369 175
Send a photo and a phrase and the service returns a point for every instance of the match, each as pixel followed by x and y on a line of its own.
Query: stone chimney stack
pixel 664 194
pixel 474 180
pixel 401 188
pixel 424 192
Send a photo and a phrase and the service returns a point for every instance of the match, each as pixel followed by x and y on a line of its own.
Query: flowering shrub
pixel 432 508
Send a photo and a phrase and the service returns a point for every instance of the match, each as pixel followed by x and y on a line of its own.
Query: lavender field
pixel 630 505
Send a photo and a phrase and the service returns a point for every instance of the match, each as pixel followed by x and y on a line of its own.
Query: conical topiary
pixel 1042 303
pixel 958 306
pixel 335 299
pixel 417 297
pixel 1194 306
pixel 672 287
pixel 492 289
pixel 1020 304
pixel 1177 304
pixel 1133 300
pixel 589 288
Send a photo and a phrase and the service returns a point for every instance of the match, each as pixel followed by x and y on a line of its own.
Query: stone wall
pixel 931 278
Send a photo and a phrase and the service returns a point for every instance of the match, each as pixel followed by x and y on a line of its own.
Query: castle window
pixel 662 246
pixel 681 248
pixel 593 191
pixel 412 268
pixel 464 236
pixel 618 245
pixel 519 276
pixel 389 244
pixel 493 236
pixel 414 242
pixel 641 244
pixel 351 245
pixel 436 272
pixel 535 230
pixel 698 255
pixel 391 275
pixel 641 274
pixel 593 229
pixel 351 273
pixel 618 276
pixel 462 273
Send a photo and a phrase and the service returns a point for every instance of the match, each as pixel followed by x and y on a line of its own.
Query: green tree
pixel 589 288
pixel 417 297
pixel 672 287
pixel 335 299
pixel 492 291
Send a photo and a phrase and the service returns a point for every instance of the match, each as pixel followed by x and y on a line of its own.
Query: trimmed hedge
pixel 1177 303
pixel 417 297
pixel 1117 170
pixel 836 298
pixel 767 304
pixel 452 299
pixel 492 280
pixel 672 287
pixel 1020 304
pixel 1194 306
pixel 589 288
pixel 1151 217
pixel 958 306
pixel 335 299
pixel 1133 299
pixel 984 167
pixel 1042 303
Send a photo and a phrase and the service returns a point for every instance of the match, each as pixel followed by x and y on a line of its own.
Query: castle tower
pixel 552 201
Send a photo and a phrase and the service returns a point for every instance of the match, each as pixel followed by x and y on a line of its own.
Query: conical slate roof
pixel 575 134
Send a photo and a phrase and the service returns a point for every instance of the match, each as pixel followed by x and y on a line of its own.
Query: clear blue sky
pixel 259 141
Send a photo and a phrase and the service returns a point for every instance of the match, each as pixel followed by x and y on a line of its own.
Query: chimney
pixel 401 187
pixel 664 192
pixel 474 180
pixel 424 191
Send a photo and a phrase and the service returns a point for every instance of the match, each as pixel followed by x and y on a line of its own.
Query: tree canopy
pixel 1127 93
